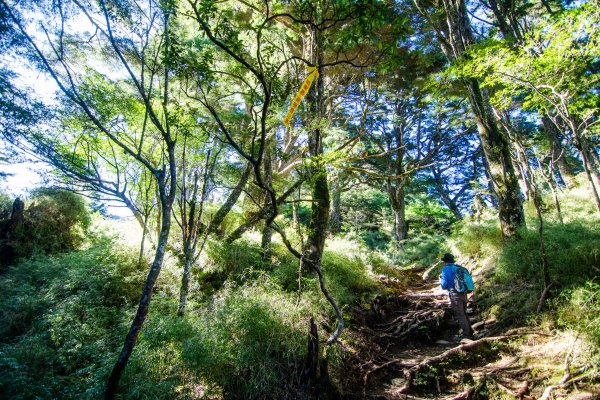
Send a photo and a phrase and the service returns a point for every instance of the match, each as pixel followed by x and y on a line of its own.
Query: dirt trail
pixel 404 348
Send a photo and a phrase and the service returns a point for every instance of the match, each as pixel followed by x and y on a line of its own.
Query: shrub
pixel 420 250
pixel 5 206
pixel 54 221
pixel 62 318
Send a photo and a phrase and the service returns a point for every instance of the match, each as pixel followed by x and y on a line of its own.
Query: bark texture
pixel 455 36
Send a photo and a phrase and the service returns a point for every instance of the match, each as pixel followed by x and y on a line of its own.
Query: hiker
pixel 458 300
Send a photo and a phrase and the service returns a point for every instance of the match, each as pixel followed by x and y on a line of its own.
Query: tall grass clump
pixel 249 341
pixel 478 239
pixel 346 272
pixel 573 252
pixel 579 311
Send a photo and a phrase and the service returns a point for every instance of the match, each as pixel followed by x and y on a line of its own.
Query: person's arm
pixel 446 279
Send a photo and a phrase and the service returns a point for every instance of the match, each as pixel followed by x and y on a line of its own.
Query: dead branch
pixel 592 375
pixel 543 298
pixel 481 324
pixel 522 390
pixel 506 390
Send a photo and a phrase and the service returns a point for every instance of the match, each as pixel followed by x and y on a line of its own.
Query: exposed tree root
pixel 409 374
pixel 408 324
pixel 467 394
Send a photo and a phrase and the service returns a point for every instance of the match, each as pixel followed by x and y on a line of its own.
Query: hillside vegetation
pixel 245 335
pixel 290 170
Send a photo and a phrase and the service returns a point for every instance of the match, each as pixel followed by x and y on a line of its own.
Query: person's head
pixel 448 258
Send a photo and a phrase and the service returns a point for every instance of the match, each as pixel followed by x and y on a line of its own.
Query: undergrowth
pixel 511 289
pixel 63 319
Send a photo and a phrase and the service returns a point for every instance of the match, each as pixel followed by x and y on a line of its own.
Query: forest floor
pixel 404 347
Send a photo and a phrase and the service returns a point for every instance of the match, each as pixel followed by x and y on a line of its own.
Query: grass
pixel 512 290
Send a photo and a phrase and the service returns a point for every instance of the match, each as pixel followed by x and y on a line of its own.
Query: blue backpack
pixel 463 281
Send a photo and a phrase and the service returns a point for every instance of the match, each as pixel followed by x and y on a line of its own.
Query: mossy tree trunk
pixel 397 196
pixel 319 219
pixel 455 35
pixel 267 233
pixel 335 219
pixel 497 153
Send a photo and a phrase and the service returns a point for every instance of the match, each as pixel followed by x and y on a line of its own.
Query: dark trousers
pixel 458 304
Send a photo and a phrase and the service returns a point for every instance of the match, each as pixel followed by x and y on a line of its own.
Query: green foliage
pixel 427 216
pixel 54 221
pixel 232 259
pixel 419 250
pixel 5 206
pixel 61 320
pixel 59 220
pixel 553 68
pixel 572 250
pixel 303 212
pixel 579 310
pixel 362 208
pixel 364 213
pixel 346 272
pixel 247 339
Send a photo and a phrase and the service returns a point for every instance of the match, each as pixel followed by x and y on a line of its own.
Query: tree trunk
pixel 544 256
pixel 317 228
pixel 18 214
pixel 581 146
pixel 335 220
pixel 497 153
pixel 455 36
pixel 267 236
pixel 231 200
pixel 145 233
pixel 319 219
pixel 593 159
pixel 142 312
pixel 558 152
pixel 185 283
pixel 267 231
pixel 398 202
pixel 490 182
pixel 310 373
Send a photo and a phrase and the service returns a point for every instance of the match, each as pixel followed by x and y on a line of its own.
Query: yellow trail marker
pixel 313 73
